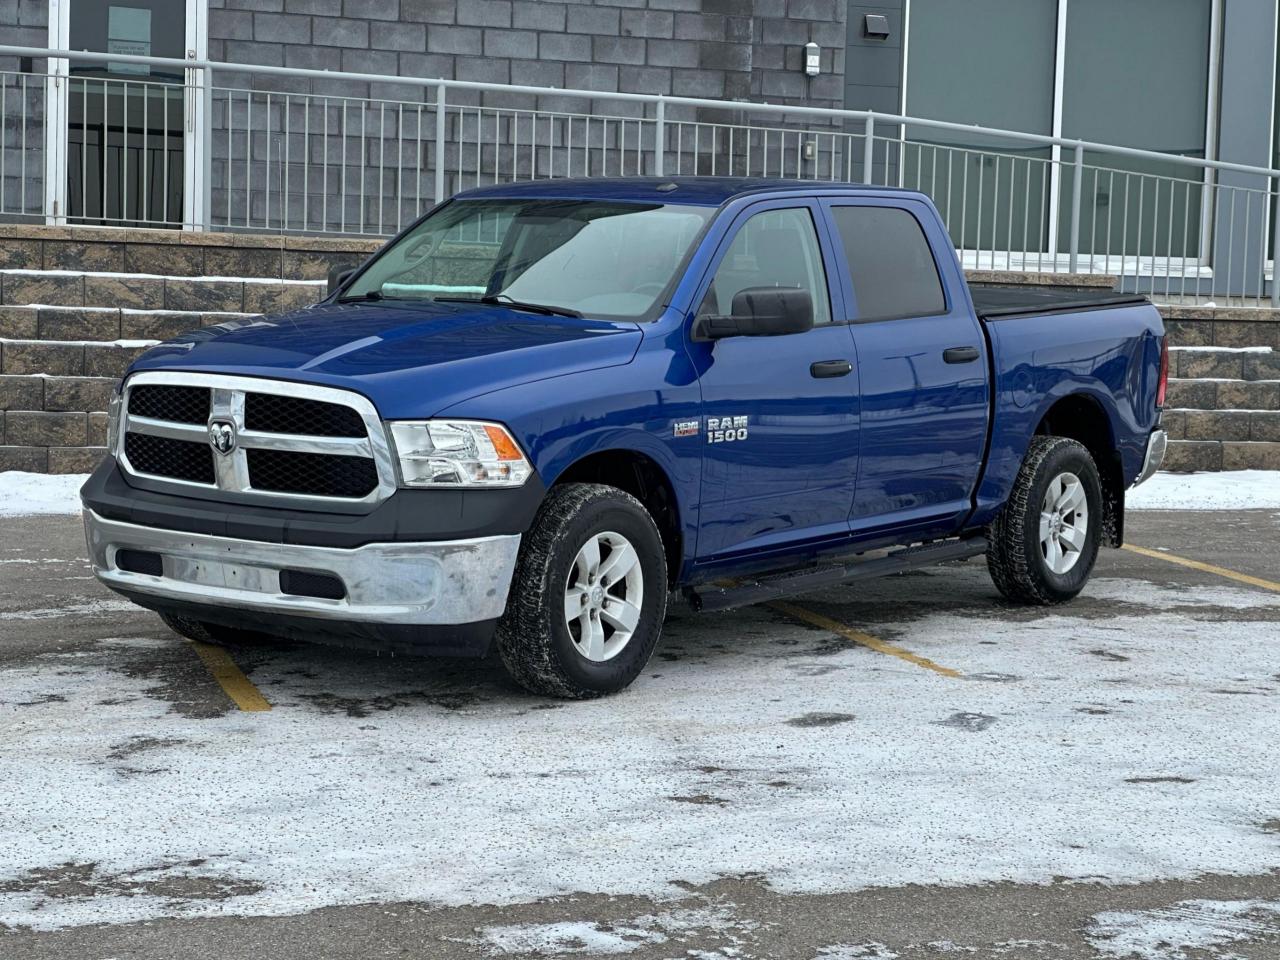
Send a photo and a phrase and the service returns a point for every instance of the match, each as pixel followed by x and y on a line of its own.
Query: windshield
pixel 600 258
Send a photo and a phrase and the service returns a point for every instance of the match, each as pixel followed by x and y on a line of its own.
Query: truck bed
pixel 1002 303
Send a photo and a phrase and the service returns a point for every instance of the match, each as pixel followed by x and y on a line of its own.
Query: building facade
pixel 119 143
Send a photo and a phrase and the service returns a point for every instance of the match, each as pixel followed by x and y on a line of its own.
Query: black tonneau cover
pixel 999 303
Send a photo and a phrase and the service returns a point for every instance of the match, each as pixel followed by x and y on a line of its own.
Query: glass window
pixel 991 63
pixel 603 259
pixel 890 264
pixel 776 248
pixel 1158 51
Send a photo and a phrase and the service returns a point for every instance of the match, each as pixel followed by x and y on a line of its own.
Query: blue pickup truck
pixel 545 407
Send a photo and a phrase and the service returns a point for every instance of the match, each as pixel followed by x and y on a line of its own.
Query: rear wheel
pixel 588 597
pixel 1045 541
pixel 205 632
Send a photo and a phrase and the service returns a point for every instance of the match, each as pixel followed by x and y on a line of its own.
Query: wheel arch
pixel 1083 418
pixel 645 479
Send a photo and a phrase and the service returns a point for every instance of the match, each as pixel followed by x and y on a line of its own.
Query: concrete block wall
pixel 66 337
pixel 734 49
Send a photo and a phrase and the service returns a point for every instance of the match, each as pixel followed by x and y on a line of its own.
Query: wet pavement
pixel 1095 780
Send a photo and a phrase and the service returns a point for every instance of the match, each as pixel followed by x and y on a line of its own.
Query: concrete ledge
pixel 1024 278
pixel 215 238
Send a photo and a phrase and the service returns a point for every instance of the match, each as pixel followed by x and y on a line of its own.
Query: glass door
pixel 128 133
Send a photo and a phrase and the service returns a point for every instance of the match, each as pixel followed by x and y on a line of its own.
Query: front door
pixel 126 136
pixel 780 414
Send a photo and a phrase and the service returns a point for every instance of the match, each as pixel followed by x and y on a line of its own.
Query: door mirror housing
pixel 337 277
pixel 761 312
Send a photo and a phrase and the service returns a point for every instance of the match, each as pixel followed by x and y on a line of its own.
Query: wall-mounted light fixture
pixel 875 26
pixel 812 59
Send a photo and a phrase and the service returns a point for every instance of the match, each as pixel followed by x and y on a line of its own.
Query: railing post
pixel 868 148
pixel 1275 250
pixel 660 138
pixel 1077 186
pixel 441 127
pixel 206 152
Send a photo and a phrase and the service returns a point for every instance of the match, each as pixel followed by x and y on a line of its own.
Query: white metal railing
pixel 259 148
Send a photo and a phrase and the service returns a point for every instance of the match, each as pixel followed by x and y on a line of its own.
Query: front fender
pixel 561 420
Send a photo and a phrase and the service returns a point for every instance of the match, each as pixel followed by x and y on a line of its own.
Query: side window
pixel 776 248
pixel 892 268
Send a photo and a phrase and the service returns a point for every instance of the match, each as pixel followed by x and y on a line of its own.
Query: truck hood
pixel 410 359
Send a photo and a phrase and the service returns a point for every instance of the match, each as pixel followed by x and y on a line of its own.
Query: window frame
pixel 930 230
pixel 830 266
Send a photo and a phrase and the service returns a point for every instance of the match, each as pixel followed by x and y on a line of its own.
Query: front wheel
pixel 1045 541
pixel 588 597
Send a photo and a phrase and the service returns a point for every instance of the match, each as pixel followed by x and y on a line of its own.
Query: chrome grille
pixel 291 440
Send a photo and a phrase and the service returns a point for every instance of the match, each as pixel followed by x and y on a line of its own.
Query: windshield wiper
pixel 373 296
pixel 502 300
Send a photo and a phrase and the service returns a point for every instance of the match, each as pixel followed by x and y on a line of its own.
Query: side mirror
pixel 337 277
pixel 761 312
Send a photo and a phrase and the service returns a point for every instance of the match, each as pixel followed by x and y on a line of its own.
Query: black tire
pixel 533 637
pixel 1016 559
pixel 206 632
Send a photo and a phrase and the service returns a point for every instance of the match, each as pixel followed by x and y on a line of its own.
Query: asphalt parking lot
pixel 905 769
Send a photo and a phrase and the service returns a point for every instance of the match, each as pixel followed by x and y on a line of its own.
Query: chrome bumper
pixel 1157 443
pixel 447 582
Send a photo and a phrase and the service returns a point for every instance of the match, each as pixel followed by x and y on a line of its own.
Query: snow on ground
pixel 1125 740
pixel 27 493
pixel 23 493
pixel 1183 930
pixel 1228 490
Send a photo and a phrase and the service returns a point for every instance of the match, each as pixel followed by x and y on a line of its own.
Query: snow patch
pixel 28 493
pixel 160 276
pixel 567 937
pixel 90 608
pixel 1228 490
pixel 1183 930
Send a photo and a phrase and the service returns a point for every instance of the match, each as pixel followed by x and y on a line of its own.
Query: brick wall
pixel 735 49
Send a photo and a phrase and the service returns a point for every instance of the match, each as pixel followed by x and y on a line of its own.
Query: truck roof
pixel 697 191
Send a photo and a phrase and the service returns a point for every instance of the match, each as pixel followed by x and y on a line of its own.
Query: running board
pixel 777 586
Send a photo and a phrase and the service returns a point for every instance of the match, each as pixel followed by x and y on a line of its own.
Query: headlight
pixel 457 453
pixel 113 422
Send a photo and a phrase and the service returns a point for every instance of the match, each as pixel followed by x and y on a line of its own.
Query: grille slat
pixel 176 404
pixel 165 457
pixel 317 474
pixel 272 413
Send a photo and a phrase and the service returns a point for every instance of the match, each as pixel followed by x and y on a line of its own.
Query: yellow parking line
pixel 1206 568
pixel 236 685
pixel 860 638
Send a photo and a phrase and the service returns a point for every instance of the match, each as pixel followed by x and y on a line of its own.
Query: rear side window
pixel 890 263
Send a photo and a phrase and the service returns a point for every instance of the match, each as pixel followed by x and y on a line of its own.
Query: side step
pixel 777 586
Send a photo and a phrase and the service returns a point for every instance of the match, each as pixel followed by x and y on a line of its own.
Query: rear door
pixel 923 373
pixel 780 414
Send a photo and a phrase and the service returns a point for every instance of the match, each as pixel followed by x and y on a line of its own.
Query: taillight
pixel 1163 384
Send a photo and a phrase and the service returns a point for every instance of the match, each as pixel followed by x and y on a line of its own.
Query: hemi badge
pixel 686 428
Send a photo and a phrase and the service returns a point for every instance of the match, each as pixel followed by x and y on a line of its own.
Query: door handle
pixel 830 368
pixel 960 354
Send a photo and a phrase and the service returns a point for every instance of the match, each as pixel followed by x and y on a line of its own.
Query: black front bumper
pixel 407 516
